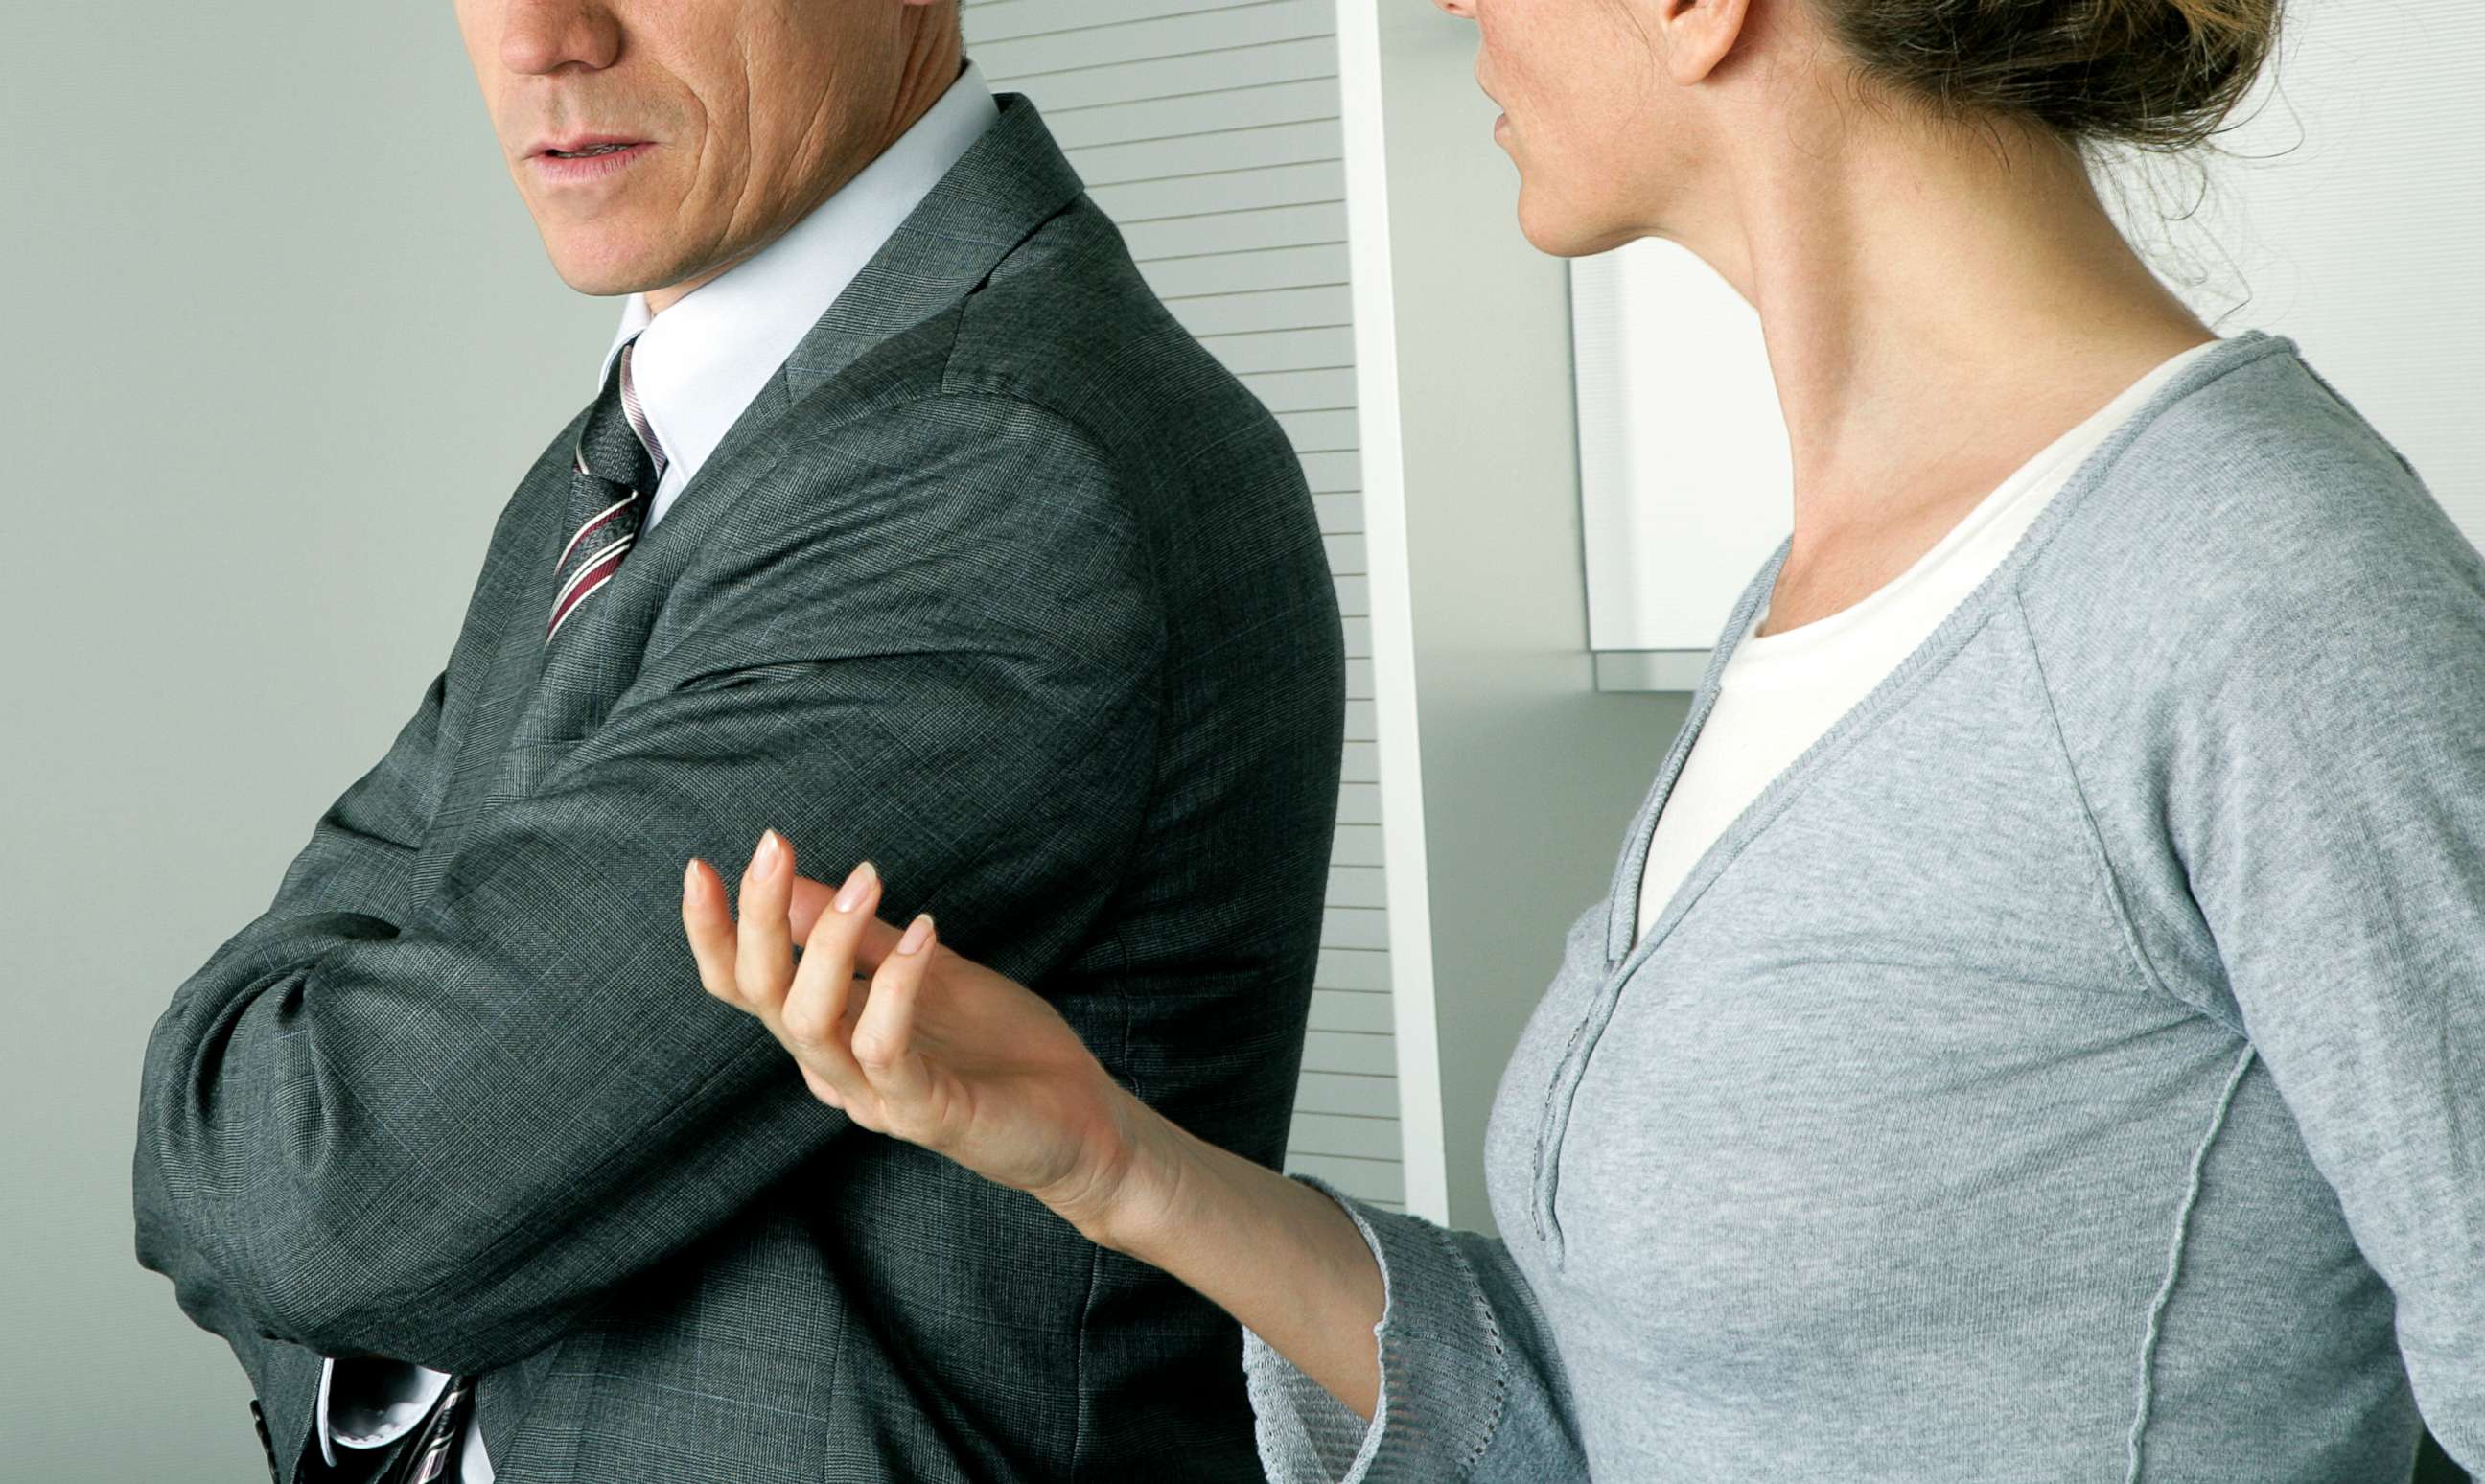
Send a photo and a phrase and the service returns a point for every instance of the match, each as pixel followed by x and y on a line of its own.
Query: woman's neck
pixel 1935 313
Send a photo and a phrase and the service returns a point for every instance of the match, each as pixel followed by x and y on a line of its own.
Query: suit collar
pixel 1010 180
pixel 703 360
pixel 1007 183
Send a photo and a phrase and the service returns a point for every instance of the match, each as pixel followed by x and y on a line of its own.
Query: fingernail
pixel 763 865
pixel 851 894
pixel 917 933
pixel 690 874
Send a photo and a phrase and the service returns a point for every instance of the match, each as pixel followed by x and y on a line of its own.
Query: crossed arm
pixel 437 1123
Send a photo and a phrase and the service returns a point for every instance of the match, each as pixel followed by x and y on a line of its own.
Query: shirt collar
pixel 699 363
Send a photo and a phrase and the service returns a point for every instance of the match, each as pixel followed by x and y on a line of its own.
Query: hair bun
pixel 2160 74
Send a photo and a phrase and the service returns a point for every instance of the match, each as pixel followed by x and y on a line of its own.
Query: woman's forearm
pixel 946 1054
pixel 1281 1257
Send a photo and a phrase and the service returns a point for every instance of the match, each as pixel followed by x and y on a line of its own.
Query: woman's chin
pixel 1562 233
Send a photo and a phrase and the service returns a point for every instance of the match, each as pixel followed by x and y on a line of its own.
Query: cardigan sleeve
pixel 1471 1386
pixel 2326 793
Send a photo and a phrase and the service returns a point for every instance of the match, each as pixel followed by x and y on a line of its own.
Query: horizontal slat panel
pixel 1346 1051
pixel 1284 309
pixel 1155 39
pixel 1344 1135
pixel 1335 1093
pixel 1316 267
pixel 1335 473
pixel 1192 154
pixel 1123 82
pixel 1268 185
pixel 1303 390
pixel 1350 968
pixel 1358 637
pixel 1226 232
pixel 1354 844
pixel 1354 928
pixel 1360 723
pixel 1358 803
pixel 1360 763
pixel 1316 432
pixel 1352 1009
pixel 1356 886
pixel 1000 19
pixel 1251 351
pixel 1379 1179
pixel 1193 112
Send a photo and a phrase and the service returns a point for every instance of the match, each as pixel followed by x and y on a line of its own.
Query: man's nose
pixel 541 36
pixel 1463 10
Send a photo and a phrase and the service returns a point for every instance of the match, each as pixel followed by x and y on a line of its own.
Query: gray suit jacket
pixel 1004 582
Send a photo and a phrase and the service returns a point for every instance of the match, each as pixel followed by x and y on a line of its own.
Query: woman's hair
pixel 2156 74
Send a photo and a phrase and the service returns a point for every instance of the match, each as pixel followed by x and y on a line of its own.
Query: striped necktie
pixel 425 1459
pixel 613 474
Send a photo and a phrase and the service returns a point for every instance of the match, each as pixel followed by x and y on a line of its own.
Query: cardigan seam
pixel 2144 1408
pixel 2150 977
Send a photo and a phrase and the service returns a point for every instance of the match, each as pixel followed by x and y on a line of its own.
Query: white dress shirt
pixel 697 366
pixel 1779 692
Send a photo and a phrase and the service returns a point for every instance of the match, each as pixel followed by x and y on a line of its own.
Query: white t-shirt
pixel 1778 693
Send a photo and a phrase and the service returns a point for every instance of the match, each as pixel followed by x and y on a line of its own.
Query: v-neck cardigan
pixel 2072 1066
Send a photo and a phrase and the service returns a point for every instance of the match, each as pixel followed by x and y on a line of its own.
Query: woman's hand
pixel 931 1047
pixel 946 1054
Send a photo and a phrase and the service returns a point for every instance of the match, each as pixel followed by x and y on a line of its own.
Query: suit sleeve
pixel 443 1138
pixel 2327 796
pixel 361 853
pixel 356 865
pixel 1471 1385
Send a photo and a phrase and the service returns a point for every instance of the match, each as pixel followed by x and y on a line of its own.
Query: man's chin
pixel 600 270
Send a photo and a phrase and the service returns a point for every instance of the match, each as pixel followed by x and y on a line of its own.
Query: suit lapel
pixel 499 653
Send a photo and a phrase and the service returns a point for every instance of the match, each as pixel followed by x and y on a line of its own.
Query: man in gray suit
pixel 906 520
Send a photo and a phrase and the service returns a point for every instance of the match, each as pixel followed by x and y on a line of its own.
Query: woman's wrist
pixel 1287 1261
pixel 1129 1203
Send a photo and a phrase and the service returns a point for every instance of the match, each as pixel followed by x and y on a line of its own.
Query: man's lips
pixel 595 169
pixel 575 143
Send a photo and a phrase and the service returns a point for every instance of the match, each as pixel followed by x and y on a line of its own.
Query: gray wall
pixel 236 243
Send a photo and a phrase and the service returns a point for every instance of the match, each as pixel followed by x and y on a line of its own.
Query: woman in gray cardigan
pixel 2070 1063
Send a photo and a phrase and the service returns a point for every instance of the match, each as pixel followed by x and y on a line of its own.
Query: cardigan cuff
pixel 1443 1374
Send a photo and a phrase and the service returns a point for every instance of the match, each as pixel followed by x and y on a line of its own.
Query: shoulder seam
pixel 2112 879
pixel 2124 437
pixel 953 387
